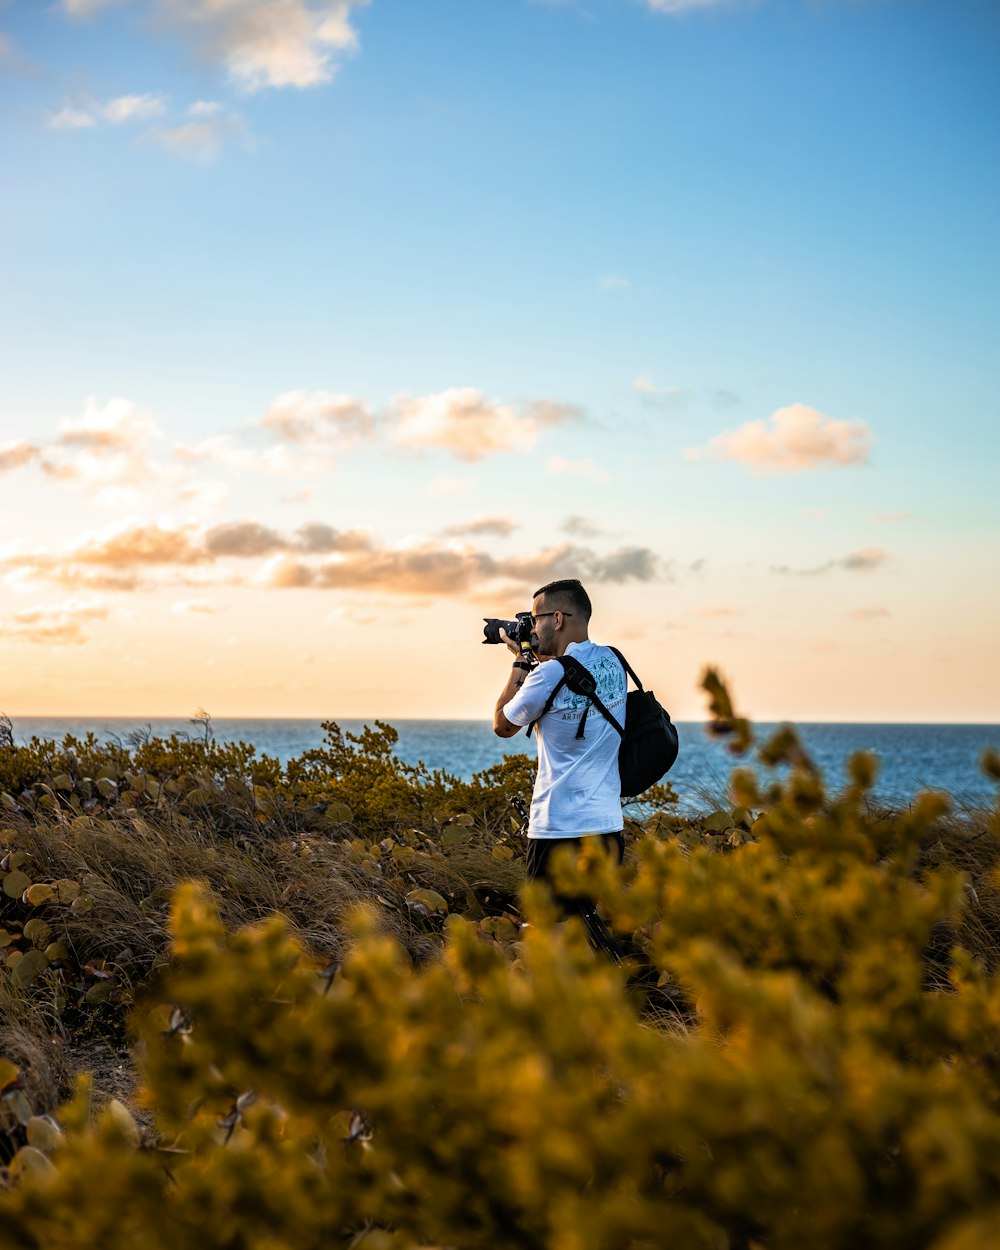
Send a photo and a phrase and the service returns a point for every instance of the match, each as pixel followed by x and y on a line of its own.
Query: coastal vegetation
pixel 247 1004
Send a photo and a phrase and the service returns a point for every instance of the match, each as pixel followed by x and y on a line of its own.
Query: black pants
pixel 541 850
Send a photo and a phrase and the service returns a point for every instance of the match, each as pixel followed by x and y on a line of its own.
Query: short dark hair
pixel 569 591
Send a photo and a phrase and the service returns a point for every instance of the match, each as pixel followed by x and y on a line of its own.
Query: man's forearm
pixel 501 725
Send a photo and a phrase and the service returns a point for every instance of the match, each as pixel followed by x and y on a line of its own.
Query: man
pixel 577 791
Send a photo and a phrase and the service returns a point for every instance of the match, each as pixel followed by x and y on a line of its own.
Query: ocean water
pixel 911 757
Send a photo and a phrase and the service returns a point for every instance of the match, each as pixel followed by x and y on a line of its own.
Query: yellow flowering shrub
pixel 801 1050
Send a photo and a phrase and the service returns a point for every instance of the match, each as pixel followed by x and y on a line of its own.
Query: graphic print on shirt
pixel 611 686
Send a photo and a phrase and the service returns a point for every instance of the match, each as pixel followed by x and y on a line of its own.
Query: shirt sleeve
pixel 529 701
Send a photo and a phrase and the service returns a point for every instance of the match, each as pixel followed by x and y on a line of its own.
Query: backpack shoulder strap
pixel 579 679
pixel 625 665
pixel 552 697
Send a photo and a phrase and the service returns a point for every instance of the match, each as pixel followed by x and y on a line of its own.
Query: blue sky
pixel 699 300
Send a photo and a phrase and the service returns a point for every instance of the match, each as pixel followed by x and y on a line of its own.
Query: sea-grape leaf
pixel 30 966
pixel 122 1118
pixel 423 899
pixel 30 1160
pixel 9 1073
pixel 15 883
pixel 38 931
pixel 56 952
pixel 66 890
pixel 44 1133
pixel 500 927
pixel 19 1104
pixel 37 894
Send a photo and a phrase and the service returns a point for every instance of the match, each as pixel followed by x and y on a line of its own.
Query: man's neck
pixel 564 645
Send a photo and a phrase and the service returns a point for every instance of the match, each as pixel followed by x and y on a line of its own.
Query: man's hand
pixel 512 645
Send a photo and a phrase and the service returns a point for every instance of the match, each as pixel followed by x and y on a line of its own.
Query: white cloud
pixel 127 108
pixel 122 109
pixel 70 118
pixel 87 8
pixel 655 397
pixel 466 423
pixel 795 438
pixel 202 141
pixel 674 7
pixel 614 282
pixel 106 452
pixel 270 43
pixel 577 468
pixel 277 461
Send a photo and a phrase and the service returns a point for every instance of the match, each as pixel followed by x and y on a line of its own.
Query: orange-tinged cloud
pixel 497 526
pixel 431 569
pixel 794 439
pixel 468 424
pixel 855 561
pixel 18 455
pixel 59 623
pixel 117 425
pixel 142 545
pixel 316 555
pixel 318 417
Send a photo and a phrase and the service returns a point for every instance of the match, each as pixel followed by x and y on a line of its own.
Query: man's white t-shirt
pixel 577 788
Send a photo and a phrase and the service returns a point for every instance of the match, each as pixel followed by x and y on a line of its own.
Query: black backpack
pixel 649 740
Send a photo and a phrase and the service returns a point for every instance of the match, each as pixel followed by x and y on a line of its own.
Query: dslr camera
pixel 518 630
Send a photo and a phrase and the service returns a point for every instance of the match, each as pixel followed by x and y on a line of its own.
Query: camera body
pixel 518 630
